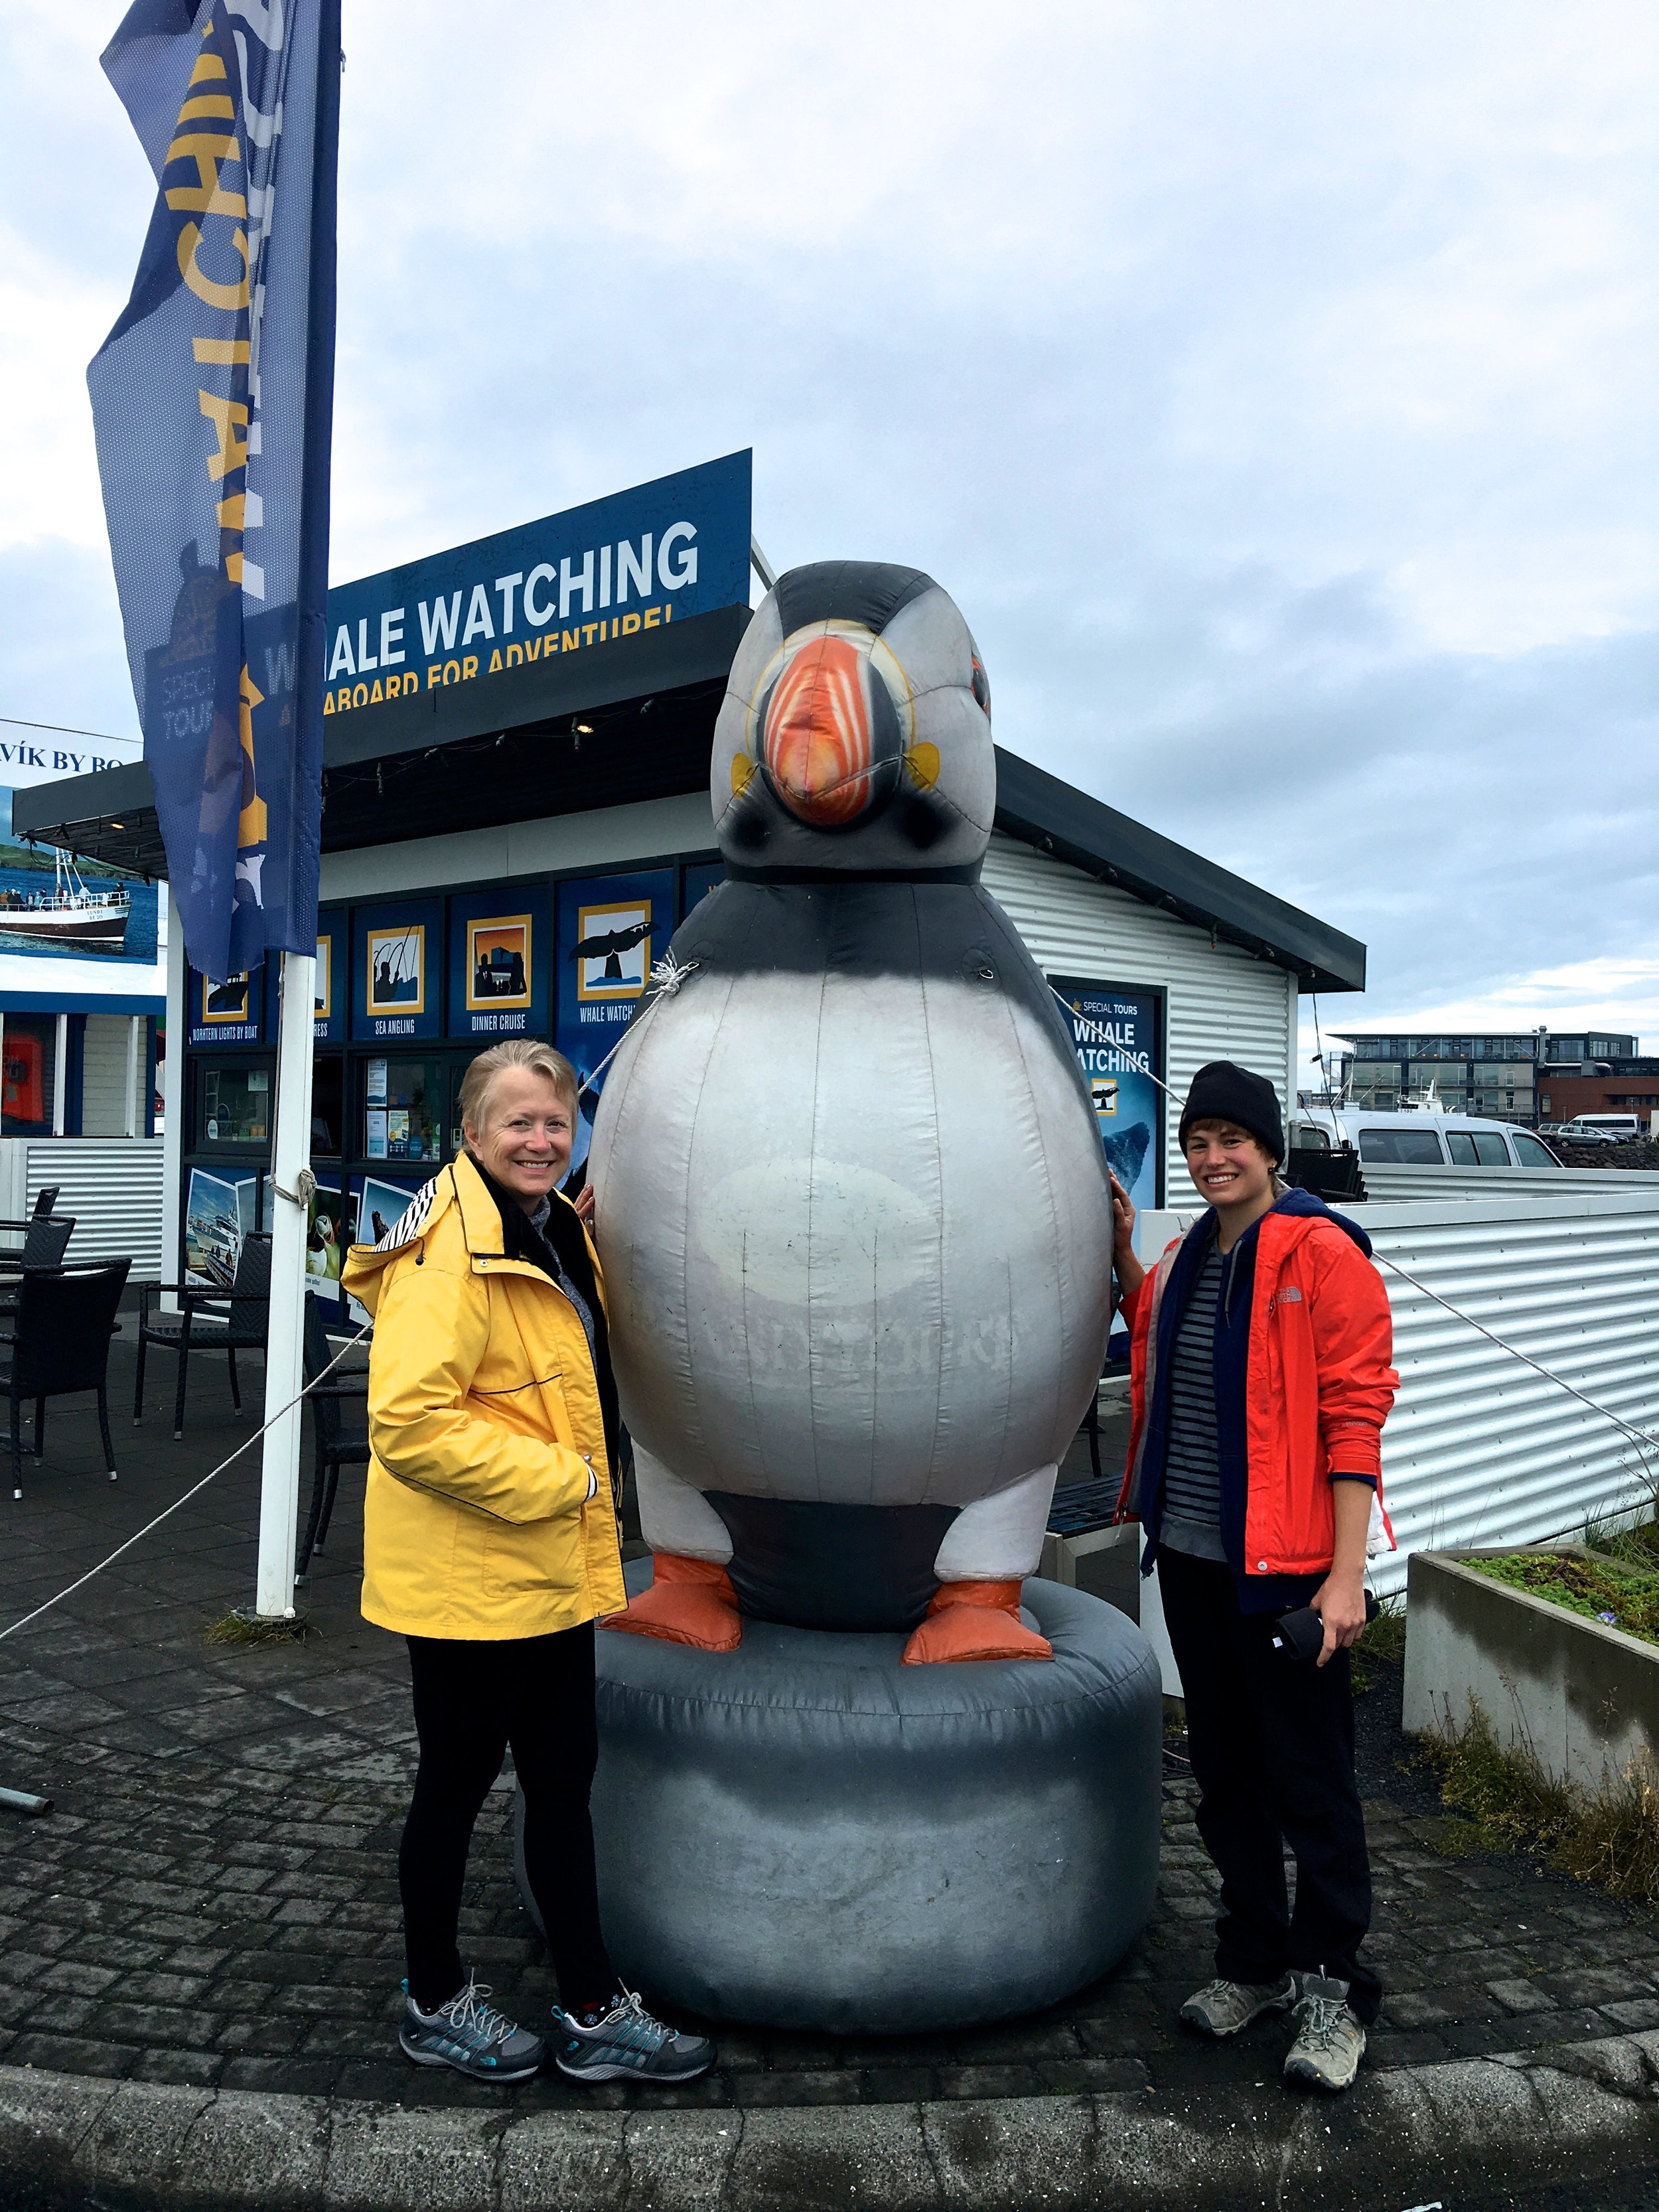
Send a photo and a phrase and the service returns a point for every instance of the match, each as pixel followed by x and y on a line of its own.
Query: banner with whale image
pixel 610 930
pixel 1118 1031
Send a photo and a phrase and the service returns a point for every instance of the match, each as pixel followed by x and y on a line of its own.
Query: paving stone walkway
pixel 214 1901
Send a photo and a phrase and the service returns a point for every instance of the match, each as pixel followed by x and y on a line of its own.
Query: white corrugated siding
pixel 103 1075
pixel 1428 1185
pixel 113 1186
pixel 1224 1003
pixel 1480 1449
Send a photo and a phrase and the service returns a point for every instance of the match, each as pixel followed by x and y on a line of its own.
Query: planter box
pixel 1581 1697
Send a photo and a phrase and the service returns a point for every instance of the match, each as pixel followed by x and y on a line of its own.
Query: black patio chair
pixel 60 1343
pixel 338 1442
pixel 45 1240
pixel 203 1324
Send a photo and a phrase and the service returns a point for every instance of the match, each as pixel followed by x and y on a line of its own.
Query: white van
pixel 1622 1129
pixel 1414 1140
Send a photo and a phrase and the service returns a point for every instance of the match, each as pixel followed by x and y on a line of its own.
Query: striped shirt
pixel 1192 1467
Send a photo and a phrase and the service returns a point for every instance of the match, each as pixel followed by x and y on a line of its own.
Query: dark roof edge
pixel 38 807
pixel 1032 805
pixel 1040 810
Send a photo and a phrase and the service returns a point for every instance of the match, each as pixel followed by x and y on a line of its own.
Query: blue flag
pixel 212 399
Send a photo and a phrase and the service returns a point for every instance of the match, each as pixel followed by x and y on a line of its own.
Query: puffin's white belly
pixel 856 1235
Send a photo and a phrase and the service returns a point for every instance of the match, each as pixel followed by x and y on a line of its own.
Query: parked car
pixel 1422 1140
pixel 1603 1129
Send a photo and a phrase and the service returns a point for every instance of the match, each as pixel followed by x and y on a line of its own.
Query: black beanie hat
pixel 1224 1091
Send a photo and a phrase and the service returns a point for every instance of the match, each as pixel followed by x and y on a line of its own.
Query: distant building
pixel 1508 1075
pixel 1626 1086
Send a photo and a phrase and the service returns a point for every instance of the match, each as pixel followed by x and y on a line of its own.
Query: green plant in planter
pixel 1624 1597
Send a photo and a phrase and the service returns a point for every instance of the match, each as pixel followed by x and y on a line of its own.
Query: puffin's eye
pixel 981 685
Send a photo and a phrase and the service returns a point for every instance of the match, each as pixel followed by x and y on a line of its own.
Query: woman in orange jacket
pixel 1261 1378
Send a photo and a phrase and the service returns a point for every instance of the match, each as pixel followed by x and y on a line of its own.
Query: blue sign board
pixel 231 1013
pixel 499 947
pixel 1118 1033
pixel 328 1007
pixel 396 981
pixel 574 582
pixel 611 929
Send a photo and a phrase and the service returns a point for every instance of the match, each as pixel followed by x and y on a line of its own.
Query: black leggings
pixel 471 1700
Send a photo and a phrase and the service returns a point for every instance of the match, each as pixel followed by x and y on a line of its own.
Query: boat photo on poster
pixel 50 905
pixel 219 1210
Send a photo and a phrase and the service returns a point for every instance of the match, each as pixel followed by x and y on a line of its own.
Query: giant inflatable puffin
pixel 852 1203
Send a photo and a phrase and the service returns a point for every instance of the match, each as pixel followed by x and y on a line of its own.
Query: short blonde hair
pixel 519 1052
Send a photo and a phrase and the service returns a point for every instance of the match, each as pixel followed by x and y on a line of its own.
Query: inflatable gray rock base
pixel 803 1834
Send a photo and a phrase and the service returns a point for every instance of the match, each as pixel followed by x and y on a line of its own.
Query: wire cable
pixel 1638 1436
pixel 668 974
pixel 247 1443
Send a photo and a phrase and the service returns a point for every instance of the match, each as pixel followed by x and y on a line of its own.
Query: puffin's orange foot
pixel 689 1601
pixel 975 1620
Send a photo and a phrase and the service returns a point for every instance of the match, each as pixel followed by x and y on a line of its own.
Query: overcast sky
pixel 1274 388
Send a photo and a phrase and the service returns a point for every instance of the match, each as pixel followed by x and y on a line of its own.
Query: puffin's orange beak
pixel 819 742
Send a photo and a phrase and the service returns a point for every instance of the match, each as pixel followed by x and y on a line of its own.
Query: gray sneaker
pixel 628 2045
pixel 470 2036
pixel 1222 2008
pixel 1329 2039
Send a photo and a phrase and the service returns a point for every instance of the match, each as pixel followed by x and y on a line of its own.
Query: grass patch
pixel 1385 1636
pixel 1610 1838
pixel 238 1627
pixel 1623 1595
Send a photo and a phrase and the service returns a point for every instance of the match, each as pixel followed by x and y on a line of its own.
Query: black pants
pixel 471 1700
pixel 1271 1740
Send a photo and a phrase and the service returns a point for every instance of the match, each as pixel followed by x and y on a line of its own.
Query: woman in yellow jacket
pixel 491 1542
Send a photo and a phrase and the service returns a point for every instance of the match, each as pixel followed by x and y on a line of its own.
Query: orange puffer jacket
pixel 1318 1382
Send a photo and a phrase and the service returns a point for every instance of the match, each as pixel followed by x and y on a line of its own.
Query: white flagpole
pixel 291 1187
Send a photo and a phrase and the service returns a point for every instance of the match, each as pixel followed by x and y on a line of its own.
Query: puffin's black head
pixel 855 733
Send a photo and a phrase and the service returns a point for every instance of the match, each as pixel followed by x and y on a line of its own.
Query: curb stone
pixel 1585 2110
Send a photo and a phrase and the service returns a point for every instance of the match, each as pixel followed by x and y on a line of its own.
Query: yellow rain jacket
pixel 482 1403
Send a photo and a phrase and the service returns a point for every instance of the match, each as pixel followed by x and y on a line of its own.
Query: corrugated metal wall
pixel 1480 1449
pixel 104 1076
pixel 1428 1185
pixel 111 1185
pixel 1223 1003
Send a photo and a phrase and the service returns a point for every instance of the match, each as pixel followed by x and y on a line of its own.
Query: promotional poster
pixel 1117 1031
pixel 231 1013
pixel 219 1210
pixel 48 905
pixel 398 960
pixel 328 1007
pixel 611 929
pixel 499 949
pixel 325 1237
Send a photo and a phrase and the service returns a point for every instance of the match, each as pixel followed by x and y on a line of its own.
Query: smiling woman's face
pixel 1227 1165
pixel 527 1134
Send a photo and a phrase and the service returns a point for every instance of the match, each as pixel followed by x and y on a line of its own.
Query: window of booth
pixel 327 1105
pixel 457 1134
pixel 404 1107
pixel 31 1067
pixel 233 1103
